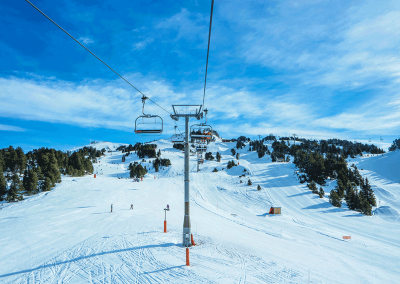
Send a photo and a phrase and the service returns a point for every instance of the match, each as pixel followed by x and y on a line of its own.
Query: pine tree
pixel 368 193
pixel 46 186
pixel 218 157
pixel 25 181
pixel 350 196
pixel 22 160
pixel 3 186
pixel 249 182
pixel 258 187
pixel 334 199
pixel 365 207
pixel 13 193
pixel 313 187
pixel 33 181
pixel 233 152
pixel 215 170
pixel 321 192
pixel 30 181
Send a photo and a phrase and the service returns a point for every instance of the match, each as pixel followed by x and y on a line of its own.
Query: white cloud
pixel 89 104
pixel 4 127
pixel 142 44
pixel 85 40
pixel 188 25
pixel 233 111
pixel 327 43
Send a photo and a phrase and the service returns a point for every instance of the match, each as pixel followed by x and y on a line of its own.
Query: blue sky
pixel 314 68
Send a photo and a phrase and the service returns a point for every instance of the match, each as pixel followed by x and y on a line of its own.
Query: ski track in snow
pixel 69 236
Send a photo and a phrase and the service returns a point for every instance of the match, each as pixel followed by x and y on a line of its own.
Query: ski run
pixel 68 235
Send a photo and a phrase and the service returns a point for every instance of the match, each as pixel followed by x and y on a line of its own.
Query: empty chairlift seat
pixel 149 124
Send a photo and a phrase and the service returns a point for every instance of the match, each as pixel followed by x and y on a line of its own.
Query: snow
pixel 68 235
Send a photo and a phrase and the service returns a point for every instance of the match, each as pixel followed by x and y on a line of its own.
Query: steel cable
pixel 96 55
pixel 208 50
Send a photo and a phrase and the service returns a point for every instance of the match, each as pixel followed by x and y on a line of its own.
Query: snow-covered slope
pixel 68 235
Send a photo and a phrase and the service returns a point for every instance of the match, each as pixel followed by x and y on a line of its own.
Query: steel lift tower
pixel 187 111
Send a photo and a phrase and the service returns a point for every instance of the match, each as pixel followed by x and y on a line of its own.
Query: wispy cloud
pixel 142 44
pixel 4 127
pixel 328 43
pixel 112 105
pixel 85 40
pixel 187 24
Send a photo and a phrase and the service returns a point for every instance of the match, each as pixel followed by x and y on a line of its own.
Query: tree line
pixel 315 168
pixel 40 169
pixel 395 145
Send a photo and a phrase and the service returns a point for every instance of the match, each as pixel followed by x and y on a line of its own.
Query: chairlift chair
pixel 147 123
pixel 201 132
pixel 201 148
pixel 177 138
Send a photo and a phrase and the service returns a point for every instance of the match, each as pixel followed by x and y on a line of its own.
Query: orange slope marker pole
pixel 187 257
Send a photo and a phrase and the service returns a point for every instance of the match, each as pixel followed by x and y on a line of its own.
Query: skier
pixel 111 208
pixel 131 206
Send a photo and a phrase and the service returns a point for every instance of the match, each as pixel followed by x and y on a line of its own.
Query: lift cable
pixel 96 56
pixel 208 50
pixel 177 127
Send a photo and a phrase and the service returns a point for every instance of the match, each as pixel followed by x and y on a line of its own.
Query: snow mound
pixel 387 213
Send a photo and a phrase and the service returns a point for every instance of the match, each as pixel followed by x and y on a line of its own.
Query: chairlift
pixel 147 123
pixel 201 148
pixel 202 131
pixel 177 138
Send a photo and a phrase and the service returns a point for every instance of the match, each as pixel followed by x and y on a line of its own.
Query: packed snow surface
pixel 68 235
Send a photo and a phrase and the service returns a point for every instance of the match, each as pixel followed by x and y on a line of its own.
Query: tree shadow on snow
pixel 334 210
pixel 319 206
pixel 300 194
pixel 85 258
pixel 354 215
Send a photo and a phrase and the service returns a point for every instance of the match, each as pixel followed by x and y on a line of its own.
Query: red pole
pixel 165 226
pixel 187 257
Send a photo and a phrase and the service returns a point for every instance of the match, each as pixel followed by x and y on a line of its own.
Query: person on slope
pixel 111 208
pixel 131 206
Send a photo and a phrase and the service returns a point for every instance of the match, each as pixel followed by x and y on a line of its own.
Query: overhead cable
pixel 208 50
pixel 95 55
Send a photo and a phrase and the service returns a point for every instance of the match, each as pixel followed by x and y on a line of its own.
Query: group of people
pixel 132 207
pixel 129 208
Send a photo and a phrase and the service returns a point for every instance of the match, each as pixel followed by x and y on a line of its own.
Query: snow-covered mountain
pixel 68 235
